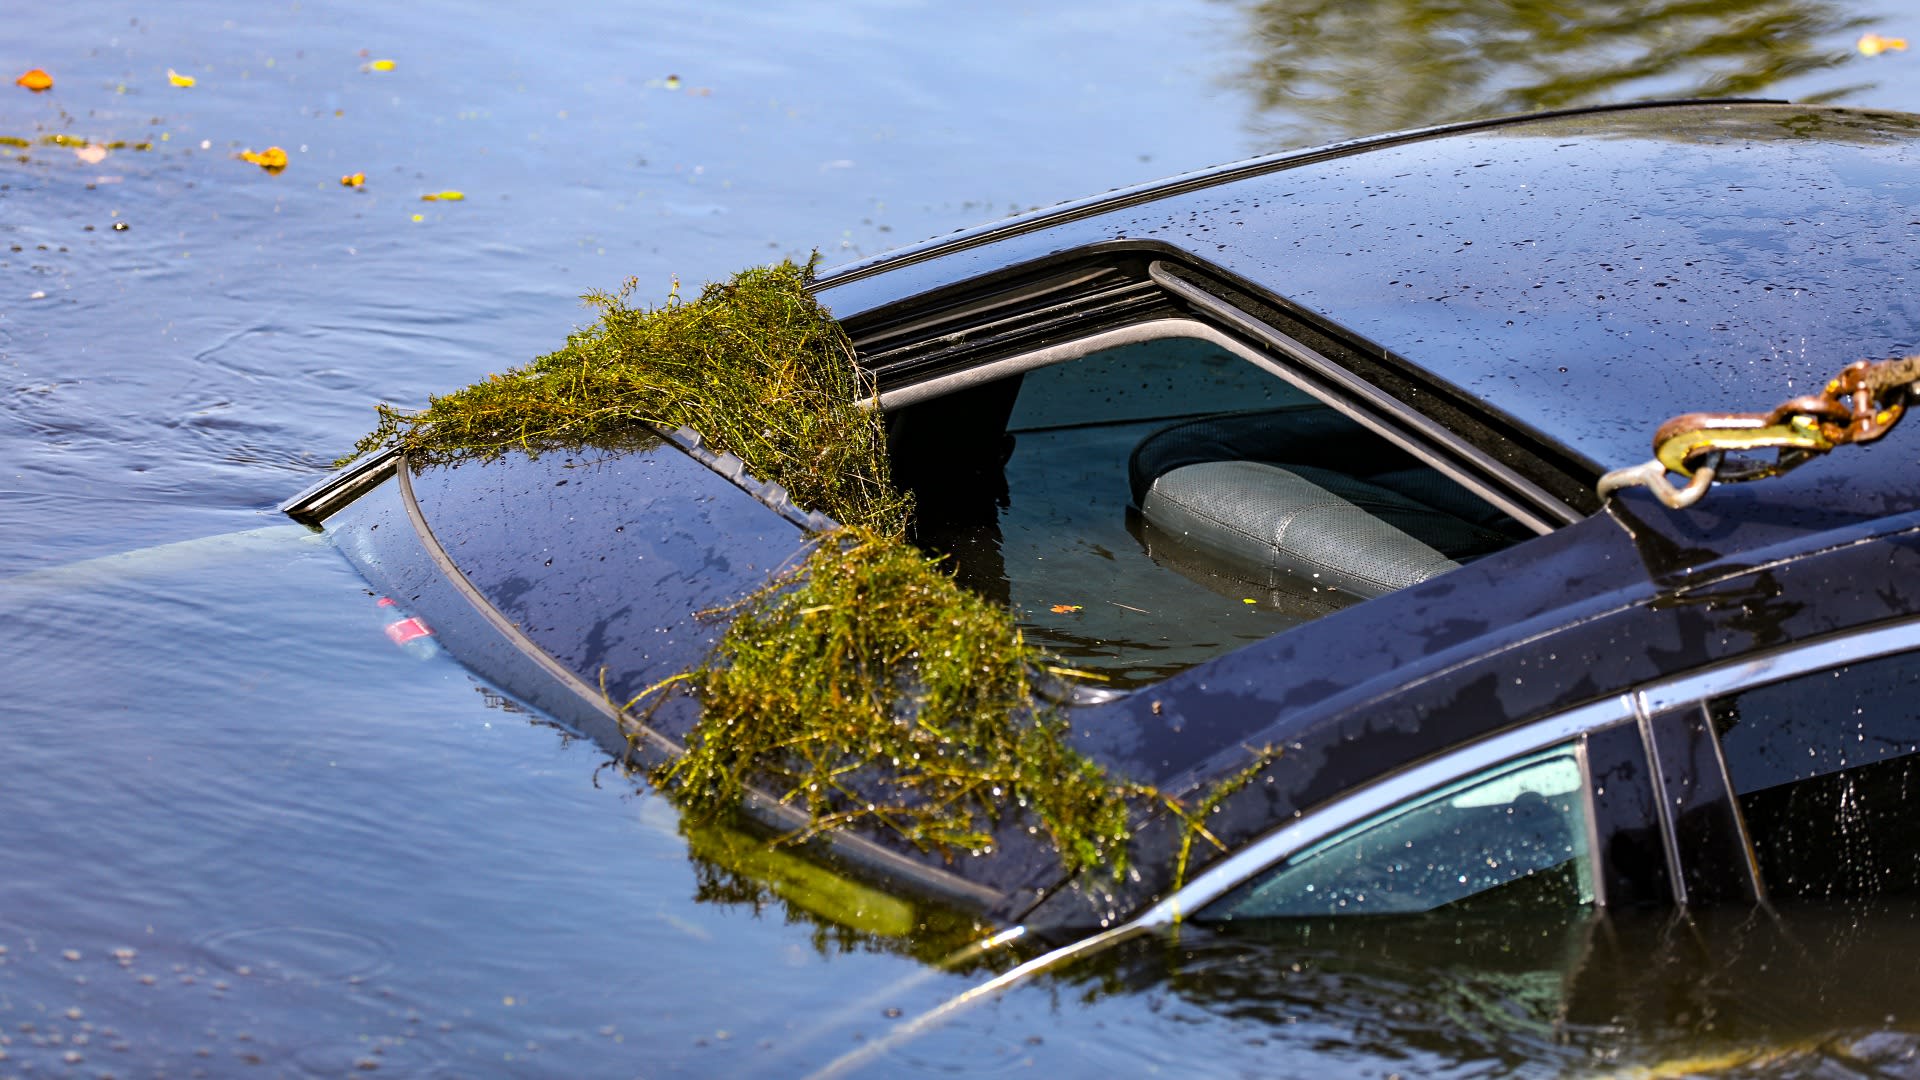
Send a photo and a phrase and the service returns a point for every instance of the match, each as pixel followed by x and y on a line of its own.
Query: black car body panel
pixel 631 547
pixel 1521 301
pixel 1413 684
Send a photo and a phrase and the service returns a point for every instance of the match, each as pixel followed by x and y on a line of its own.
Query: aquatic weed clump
pixel 863 684
pixel 866 686
pixel 756 365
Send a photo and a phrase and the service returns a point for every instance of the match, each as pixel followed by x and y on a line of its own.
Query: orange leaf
pixel 35 80
pixel 272 159
pixel 1065 609
pixel 1874 44
pixel 354 179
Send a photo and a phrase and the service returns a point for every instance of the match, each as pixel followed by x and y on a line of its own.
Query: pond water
pixel 240 831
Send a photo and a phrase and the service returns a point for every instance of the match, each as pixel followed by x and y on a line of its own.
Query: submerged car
pixel 1297 458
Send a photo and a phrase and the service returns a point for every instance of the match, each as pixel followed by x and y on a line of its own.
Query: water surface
pixel 240 831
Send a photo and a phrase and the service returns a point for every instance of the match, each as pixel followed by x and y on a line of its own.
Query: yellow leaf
pixel 272 159
pixel 354 179
pixel 1874 44
pixel 381 65
pixel 35 80
pixel 178 79
pixel 444 196
pixel 419 217
pixel 673 82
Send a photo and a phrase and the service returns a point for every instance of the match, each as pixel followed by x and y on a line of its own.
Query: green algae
pixel 754 364
pixel 862 684
pixel 867 687
pixel 734 864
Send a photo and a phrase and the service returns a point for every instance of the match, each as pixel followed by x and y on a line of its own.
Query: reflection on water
pixel 1327 69
pixel 240 825
pixel 1801 991
pixel 744 867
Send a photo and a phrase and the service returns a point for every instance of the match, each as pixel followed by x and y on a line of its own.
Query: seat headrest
pixel 1307 496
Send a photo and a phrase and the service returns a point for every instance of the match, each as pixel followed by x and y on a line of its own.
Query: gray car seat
pixel 1305 496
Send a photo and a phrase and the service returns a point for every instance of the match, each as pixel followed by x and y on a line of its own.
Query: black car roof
pixel 1429 246
pixel 1585 275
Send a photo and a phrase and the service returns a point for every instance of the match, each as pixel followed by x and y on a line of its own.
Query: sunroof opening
pixel 1147 507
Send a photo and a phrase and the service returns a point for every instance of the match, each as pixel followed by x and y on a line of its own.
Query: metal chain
pixel 1860 404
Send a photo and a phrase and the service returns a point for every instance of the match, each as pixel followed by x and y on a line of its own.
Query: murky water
pixel 240 831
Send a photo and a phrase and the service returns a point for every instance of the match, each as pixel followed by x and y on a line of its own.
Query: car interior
pixel 1146 507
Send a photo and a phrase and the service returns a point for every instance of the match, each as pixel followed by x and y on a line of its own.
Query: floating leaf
pixel 419 217
pixel 35 80
pixel 673 82
pixel 1873 44
pixel 272 159
pixel 381 65
pixel 354 180
pixel 92 154
pixel 444 196
pixel 1065 609
pixel 178 79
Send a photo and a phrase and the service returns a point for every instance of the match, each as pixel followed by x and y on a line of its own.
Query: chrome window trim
pixel 319 500
pixel 1352 809
pixel 1739 819
pixel 1662 808
pixel 1532 514
pixel 1785 663
pixel 1132 334
pixel 1594 862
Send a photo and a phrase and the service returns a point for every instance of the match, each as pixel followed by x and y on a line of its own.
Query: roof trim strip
pixel 1141 193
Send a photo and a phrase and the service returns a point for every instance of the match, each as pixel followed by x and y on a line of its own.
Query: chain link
pixel 1860 404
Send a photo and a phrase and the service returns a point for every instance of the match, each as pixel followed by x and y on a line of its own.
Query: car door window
pixel 1826 768
pixel 1511 836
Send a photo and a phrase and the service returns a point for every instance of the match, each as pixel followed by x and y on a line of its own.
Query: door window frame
pixel 1638 706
